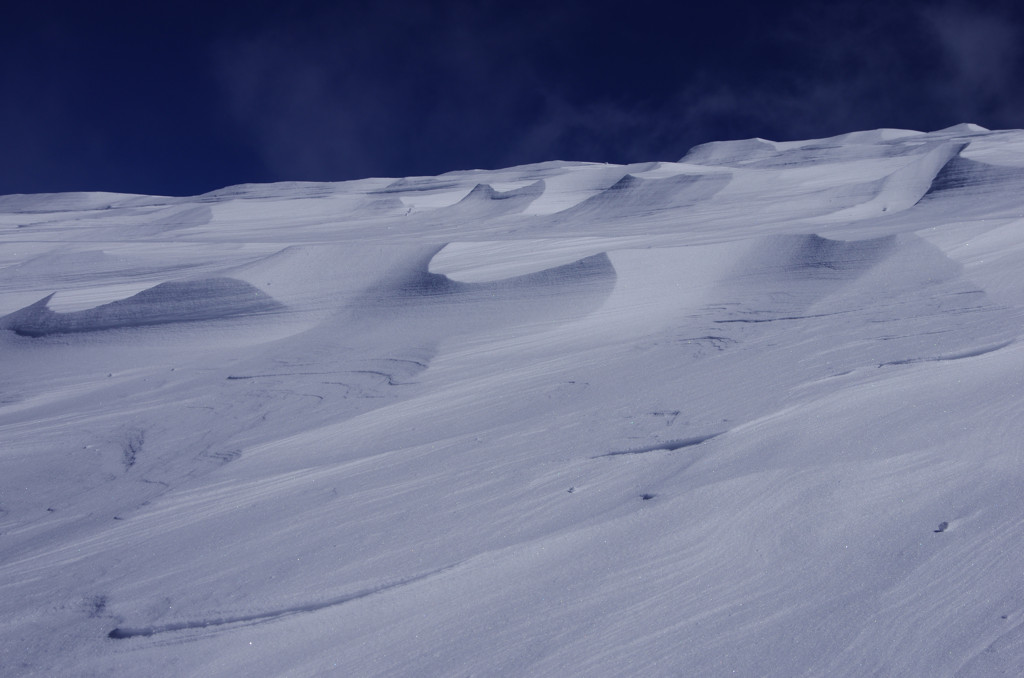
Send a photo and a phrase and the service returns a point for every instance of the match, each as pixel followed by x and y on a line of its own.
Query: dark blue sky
pixel 181 98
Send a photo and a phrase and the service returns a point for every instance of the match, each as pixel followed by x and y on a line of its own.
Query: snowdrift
pixel 756 412
pixel 169 302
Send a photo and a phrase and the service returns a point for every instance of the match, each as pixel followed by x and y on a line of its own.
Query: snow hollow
pixel 758 412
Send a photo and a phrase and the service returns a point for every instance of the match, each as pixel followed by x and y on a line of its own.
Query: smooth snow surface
pixel 758 413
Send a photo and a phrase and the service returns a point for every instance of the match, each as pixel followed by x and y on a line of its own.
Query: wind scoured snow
pixel 754 413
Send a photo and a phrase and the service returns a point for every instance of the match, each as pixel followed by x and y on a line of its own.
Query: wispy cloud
pixel 154 99
pixel 423 88
pixel 367 93
pixel 980 62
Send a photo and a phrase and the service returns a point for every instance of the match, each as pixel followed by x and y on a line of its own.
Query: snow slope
pixel 758 412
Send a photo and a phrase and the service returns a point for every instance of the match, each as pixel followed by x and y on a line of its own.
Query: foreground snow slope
pixel 758 413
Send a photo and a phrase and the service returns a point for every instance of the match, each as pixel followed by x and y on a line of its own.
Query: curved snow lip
pixel 947 357
pixel 124 632
pixel 908 185
pixel 169 302
pixel 964 174
pixel 665 446
pixel 486 192
pixel 636 195
pixel 419 285
pixel 481 261
pixel 484 201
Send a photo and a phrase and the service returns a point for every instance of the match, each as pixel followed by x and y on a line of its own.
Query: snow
pixel 753 413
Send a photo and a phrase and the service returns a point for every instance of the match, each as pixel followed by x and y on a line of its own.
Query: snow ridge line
pixel 123 632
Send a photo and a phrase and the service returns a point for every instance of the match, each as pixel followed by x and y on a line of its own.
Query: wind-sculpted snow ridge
pixel 170 302
pixel 756 413
pixel 727 152
pixel 963 174
pixel 422 286
pixel 635 196
pixel 515 199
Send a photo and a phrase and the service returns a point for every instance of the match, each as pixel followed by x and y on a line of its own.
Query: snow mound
pixel 642 196
pixel 968 176
pixel 484 200
pixel 572 187
pixel 730 152
pixel 483 193
pixel 814 256
pixel 560 293
pixel 963 128
pixel 905 187
pixel 897 293
pixel 874 136
pixel 170 302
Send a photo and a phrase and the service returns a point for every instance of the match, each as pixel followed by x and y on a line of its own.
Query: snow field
pixel 754 413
